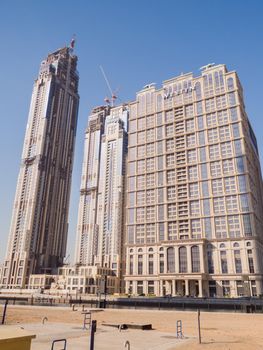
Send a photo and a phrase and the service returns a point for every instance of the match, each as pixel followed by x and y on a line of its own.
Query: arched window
pixel 222 245
pixel 182 259
pixel 161 249
pixel 195 255
pixel 230 83
pixel 248 244
pixel 198 93
pixel 140 250
pixel 235 245
pixel 170 260
pixel 150 250
pixel 131 250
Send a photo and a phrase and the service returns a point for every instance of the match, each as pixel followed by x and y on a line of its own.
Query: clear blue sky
pixel 137 42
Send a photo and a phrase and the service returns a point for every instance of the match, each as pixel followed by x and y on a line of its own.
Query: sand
pixel 219 330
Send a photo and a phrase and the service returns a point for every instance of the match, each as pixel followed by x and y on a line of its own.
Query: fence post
pixel 4 312
pixel 199 329
pixel 92 333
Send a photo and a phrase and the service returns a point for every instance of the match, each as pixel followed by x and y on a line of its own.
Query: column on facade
pixel 189 259
pixel 200 288
pixel 186 287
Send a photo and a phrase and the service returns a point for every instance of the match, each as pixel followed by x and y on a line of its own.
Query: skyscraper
pixel 100 217
pixel 194 190
pixel 38 233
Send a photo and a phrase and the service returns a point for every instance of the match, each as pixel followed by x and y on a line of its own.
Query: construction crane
pixel 113 95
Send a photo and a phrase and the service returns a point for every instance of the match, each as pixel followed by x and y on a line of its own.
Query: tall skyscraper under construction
pixel 38 233
pixel 101 212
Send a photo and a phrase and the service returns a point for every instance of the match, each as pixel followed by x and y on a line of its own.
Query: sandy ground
pixel 219 330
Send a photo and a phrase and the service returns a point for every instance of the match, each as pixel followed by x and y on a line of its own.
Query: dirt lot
pixel 219 330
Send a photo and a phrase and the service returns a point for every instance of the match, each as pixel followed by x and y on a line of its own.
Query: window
pixel 193 190
pixel 150 135
pixel 140 216
pixel 200 122
pixel 211 120
pixel 141 137
pixel 172 230
pixel 242 183
pixel 150 149
pixel 161 263
pixel 194 208
pixel 250 261
pixel 233 226
pixel 205 189
pixel 140 198
pixel 171 210
pixel 169 145
pixel 150 264
pixel 191 156
pixel 202 154
pixel 222 117
pixel 226 149
pixel 141 151
pixel 141 166
pixel 141 123
pixel 247 225
pixel 170 260
pixel 150 178
pixel 238 147
pixel 214 152
pixel 131 264
pixel 203 168
pixel 217 187
pixel 199 108
pixel 232 98
pixel 140 264
pixel 170 160
pixel 224 133
pixel 240 165
pixel 233 114
pixel 150 121
pixel 150 214
pixel 140 182
pixel 182 260
pixel 208 228
pixel 196 228
pixel 192 173
pixel 209 104
pixel 190 125
pixel 150 164
pixel 201 137
pixel 212 135
pixel 221 102
pixel 228 166
pixel 150 287
pixel 170 177
pixel 210 261
pixel 198 93
pixel 195 259
pixel 231 204
pixel 169 129
pixel 206 206
pixel 219 205
pixel 191 141
pixel 235 130
pixel 215 169
pixel 220 227
pixel 161 231
pixel 244 202
pixel 189 111
pixel 171 193
pixel 230 83
pixel 169 116
pixel 223 258
pixel 230 185
pixel 238 263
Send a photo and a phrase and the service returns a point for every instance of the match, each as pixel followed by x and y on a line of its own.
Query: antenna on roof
pixel 113 97
pixel 72 42
pixel 209 65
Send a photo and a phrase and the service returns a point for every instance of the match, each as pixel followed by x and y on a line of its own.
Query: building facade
pixel 100 216
pixel 38 233
pixel 194 190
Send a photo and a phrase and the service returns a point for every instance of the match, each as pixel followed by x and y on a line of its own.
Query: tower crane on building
pixel 114 97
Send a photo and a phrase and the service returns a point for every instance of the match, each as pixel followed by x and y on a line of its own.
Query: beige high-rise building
pixel 194 190
pixel 101 205
pixel 38 233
